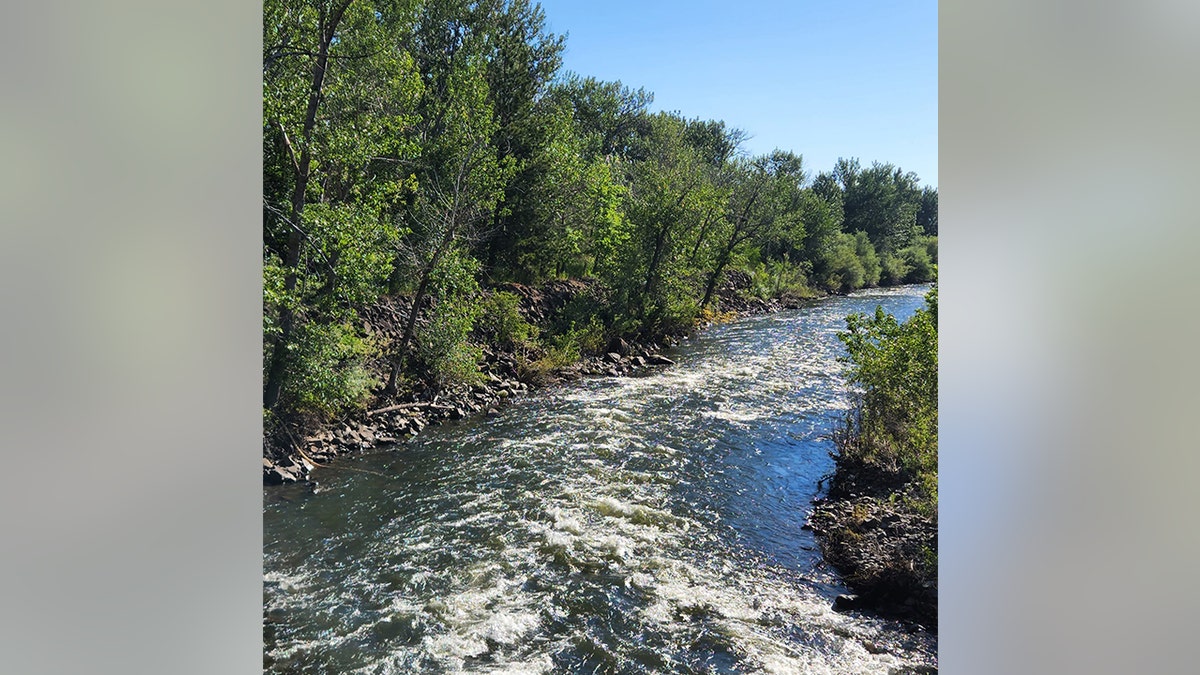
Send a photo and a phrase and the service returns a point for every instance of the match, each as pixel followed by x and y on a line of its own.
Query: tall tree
pixel 337 90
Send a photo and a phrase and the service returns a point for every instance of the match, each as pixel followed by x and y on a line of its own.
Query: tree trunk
pixel 287 317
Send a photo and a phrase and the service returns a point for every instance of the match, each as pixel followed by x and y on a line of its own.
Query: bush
pixel 843 268
pixel 779 279
pixel 893 269
pixel 442 345
pixel 500 322
pixel 894 424
pixel 864 250
pixel 326 369
pixel 921 268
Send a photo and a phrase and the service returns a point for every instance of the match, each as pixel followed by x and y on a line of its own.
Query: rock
pixel 619 346
pixel 613 357
pixel 492 412
pixel 846 601
pixel 277 475
pixel 641 362
pixel 659 360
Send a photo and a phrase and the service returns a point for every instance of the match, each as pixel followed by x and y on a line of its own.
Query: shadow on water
pixel 648 524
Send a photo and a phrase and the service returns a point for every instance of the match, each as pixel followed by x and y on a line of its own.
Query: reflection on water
pixel 629 525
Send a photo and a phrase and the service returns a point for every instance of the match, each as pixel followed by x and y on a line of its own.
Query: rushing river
pixel 612 525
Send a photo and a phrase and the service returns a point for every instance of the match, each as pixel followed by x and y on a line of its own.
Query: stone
pixel 619 346
pixel 659 360
pixel 613 357
pixel 845 601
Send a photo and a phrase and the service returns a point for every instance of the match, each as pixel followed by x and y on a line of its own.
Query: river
pixel 611 525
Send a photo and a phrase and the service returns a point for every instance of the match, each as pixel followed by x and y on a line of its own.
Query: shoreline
pixel 389 424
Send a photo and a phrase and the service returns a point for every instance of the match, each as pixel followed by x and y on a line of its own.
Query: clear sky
pixel 823 78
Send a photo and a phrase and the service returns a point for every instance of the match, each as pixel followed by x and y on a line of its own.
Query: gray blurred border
pixel 130 328
pixel 130 322
pixel 1068 302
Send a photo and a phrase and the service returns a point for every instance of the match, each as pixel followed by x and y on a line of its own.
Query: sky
pixel 822 78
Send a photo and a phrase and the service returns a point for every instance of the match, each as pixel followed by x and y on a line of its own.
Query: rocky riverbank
pixel 295 449
pixel 885 549
pixel 391 425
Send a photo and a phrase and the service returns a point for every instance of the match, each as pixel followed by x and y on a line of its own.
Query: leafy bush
pixel 779 279
pixel 501 323
pixel 865 251
pixel 587 338
pixel 843 268
pixel 326 369
pixel 893 269
pixel 894 424
pixel 442 345
pixel 921 268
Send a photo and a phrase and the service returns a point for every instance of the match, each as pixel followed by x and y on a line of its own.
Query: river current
pixel 610 525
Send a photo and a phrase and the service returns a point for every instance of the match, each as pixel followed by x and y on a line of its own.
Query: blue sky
pixel 826 79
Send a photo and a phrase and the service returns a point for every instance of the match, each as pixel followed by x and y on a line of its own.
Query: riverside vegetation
pixel 878 525
pixel 449 218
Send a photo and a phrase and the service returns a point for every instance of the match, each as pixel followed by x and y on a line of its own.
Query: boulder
pixel 659 360
pixel 618 346
pixel 846 601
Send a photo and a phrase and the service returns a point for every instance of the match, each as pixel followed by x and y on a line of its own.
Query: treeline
pixel 427 150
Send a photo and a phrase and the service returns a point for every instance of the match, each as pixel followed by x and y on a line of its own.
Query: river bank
pixel 878 525
pixel 884 550
pixel 291 454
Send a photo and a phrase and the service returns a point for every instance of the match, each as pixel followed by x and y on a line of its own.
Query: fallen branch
pixel 393 408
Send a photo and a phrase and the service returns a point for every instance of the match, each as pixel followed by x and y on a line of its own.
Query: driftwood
pixel 392 408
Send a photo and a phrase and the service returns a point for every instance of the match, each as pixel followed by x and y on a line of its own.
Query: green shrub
pixel 893 269
pixel 779 279
pixel 921 268
pixel 894 423
pixel 442 345
pixel 326 369
pixel 844 269
pixel 865 251
pixel 501 323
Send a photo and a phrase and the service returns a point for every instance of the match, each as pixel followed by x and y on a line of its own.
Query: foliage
pixel 894 424
pixel 442 342
pixel 442 345
pixel 500 322
pixel 778 279
pixel 326 369
pixel 421 149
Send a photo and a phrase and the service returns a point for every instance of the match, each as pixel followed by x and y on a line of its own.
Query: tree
pixel 927 213
pixel 764 196
pixel 608 116
pixel 895 365
pixel 337 90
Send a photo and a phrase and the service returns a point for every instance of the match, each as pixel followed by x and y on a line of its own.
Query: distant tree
pixel 927 213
